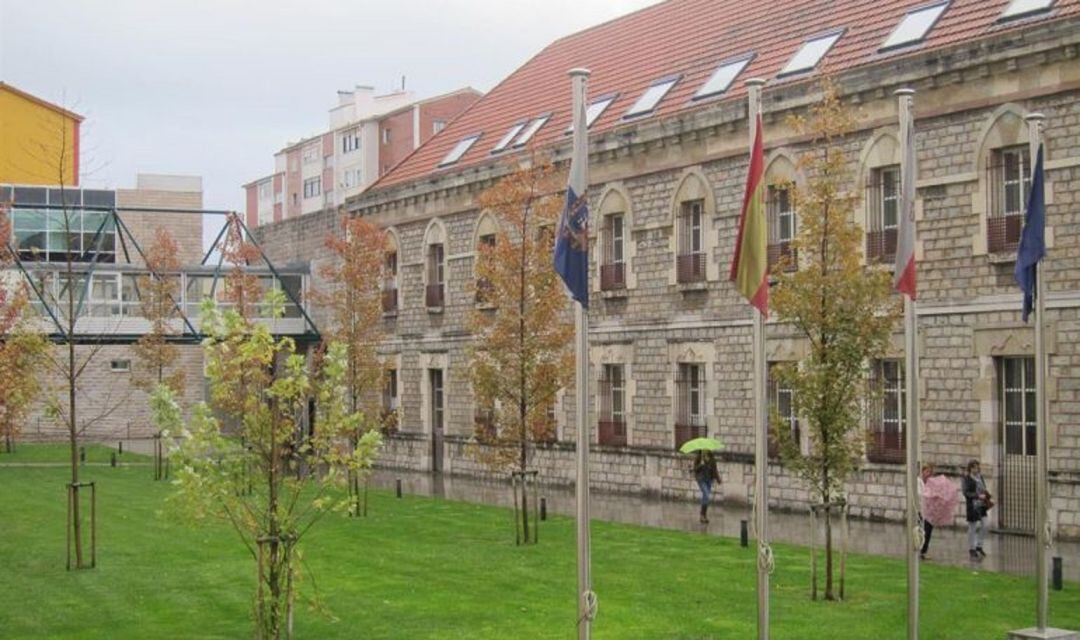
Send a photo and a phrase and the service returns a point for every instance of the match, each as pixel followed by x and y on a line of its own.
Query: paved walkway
pixel 1006 553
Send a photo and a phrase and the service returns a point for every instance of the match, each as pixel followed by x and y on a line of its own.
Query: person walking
pixel 978 503
pixel 705 472
pixel 928 528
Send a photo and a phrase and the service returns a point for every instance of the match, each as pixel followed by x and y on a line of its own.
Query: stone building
pixel 670 338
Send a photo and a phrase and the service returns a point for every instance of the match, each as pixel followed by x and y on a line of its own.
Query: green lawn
pixel 95 453
pixel 424 568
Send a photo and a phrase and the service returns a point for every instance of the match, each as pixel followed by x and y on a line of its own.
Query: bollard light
pixel 744 534
pixel 399 487
pixel 1056 574
pixel 543 508
pixel 112 460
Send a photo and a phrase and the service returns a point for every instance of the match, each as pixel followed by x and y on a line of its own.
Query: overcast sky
pixel 213 88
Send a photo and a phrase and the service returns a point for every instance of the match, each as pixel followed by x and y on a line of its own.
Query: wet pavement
pixel 1005 552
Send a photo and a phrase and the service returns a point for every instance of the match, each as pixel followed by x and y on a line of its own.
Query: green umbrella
pixel 701 444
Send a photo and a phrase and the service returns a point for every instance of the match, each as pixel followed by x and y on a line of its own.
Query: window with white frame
pixel 883 202
pixel 350 140
pixel 1018 402
pixel 312 187
pixel 310 153
pixel 120 366
pixel 390 400
pixel 810 53
pixel 782 225
pixel 435 295
pixel 266 190
pixel 386 136
pixel 690 261
pixel 689 402
pixel 782 407
pixel 612 427
pixel 613 264
pixel 888 414
pixel 437 126
pixel 1010 184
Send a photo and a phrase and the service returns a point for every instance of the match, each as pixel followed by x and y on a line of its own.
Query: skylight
pixel 505 140
pixel 915 25
pixel 721 79
pixel 459 150
pixel 595 110
pixel 652 97
pixel 531 130
pixel 1019 8
pixel 811 53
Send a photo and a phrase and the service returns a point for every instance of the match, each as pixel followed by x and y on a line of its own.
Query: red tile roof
pixel 690 38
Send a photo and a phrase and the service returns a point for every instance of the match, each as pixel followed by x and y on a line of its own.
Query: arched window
pixel 880 214
pixel 781 177
pixel 435 266
pixel 390 274
pixel 1003 164
pixel 693 208
pixel 484 238
pixel 616 249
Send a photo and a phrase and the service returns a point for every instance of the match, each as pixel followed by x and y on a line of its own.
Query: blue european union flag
pixel 1033 239
pixel 572 244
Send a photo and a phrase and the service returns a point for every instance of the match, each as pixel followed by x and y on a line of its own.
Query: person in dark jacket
pixel 705 472
pixel 978 503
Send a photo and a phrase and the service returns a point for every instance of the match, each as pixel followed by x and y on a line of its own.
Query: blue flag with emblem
pixel 572 236
pixel 1033 238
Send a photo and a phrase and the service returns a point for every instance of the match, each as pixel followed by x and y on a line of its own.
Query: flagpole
pixel 761 420
pixel 906 99
pixel 586 598
pixel 1042 528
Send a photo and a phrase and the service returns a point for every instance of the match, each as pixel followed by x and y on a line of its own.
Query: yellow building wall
pixel 35 141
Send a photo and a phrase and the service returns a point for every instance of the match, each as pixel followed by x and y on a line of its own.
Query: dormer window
pixel 1024 8
pixel 810 54
pixel 460 149
pixel 915 25
pixel 721 79
pixel 652 97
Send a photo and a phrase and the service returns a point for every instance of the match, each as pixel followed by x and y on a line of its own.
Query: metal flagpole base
pixel 1045 634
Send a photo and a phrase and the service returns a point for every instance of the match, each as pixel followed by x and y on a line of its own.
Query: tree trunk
pixel 828 554
pixel 73 434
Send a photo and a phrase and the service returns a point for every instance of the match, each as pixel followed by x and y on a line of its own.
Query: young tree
pixel 354 303
pixel 155 356
pixel 844 310
pixel 521 354
pixel 21 347
pixel 239 456
pixel 158 292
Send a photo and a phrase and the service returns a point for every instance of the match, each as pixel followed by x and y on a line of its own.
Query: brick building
pixel 670 337
pixel 368 134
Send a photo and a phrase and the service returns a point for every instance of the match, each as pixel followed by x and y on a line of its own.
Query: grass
pixel 425 568
pixel 60 453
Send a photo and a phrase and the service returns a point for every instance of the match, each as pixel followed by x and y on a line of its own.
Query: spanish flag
pixel 750 266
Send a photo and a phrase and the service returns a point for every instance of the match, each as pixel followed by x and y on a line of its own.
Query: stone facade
pixel 970 105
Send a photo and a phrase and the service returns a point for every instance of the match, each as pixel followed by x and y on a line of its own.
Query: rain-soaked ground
pixel 1005 552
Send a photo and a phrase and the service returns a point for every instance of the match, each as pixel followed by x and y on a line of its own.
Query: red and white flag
pixel 904 274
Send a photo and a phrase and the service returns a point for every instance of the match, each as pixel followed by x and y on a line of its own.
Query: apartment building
pixel 368 134
pixel 670 354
